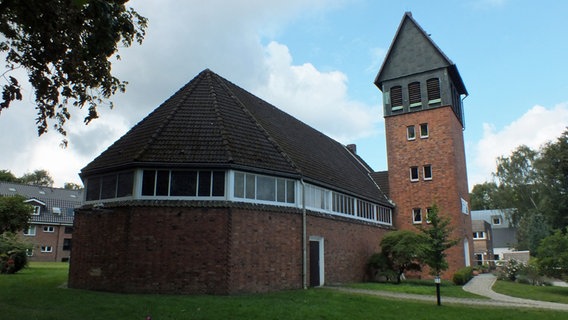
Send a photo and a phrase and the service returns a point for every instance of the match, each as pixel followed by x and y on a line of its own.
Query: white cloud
pixel 315 97
pixel 536 127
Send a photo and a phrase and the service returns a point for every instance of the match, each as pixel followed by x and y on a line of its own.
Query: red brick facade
pixel 443 150
pixel 49 236
pixel 211 250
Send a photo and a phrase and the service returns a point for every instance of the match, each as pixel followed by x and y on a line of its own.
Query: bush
pixel 511 270
pixel 13 257
pixel 462 276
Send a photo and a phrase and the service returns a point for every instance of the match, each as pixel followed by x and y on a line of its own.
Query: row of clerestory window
pixel 415 94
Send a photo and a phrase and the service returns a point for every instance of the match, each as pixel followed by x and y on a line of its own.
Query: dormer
pixel 37 205
pixel 416 75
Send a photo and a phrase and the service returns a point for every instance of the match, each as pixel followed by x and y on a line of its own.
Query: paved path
pixel 480 285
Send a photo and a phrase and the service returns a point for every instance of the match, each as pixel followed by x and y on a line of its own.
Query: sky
pixel 317 61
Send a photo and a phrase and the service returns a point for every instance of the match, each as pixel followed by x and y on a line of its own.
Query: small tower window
pixel 416 215
pixel 423 130
pixel 396 98
pixel 410 133
pixel 428 172
pixel 413 173
pixel 414 94
pixel 433 88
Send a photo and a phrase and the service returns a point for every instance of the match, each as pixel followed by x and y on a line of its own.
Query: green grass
pixel 423 287
pixel 526 291
pixel 37 293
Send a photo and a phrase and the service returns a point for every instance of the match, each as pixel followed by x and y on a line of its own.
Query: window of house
pixel 410 133
pixel 424 130
pixel 479 235
pixel 183 183
pixel 48 229
pixel 479 259
pixel 433 89
pixel 114 185
pixel 427 172
pixel 414 94
pixel 317 198
pixel 396 98
pixel 30 231
pixel 343 203
pixel 46 249
pixel 413 173
pixel 37 210
pixel 264 188
pixel 30 252
pixel 416 215
pixel 496 221
pixel 66 244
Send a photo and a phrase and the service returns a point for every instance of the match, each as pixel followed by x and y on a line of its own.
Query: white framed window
pixel 424 133
pixel 30 252
pixel 416 215
pixel 427 171
pixel 37 210
pixel 264 188
pixel 30 232
pixel 496 221
pixel 410 133
pixel 413 174
pixel 479 235
pixel 46 249
pixel 48 229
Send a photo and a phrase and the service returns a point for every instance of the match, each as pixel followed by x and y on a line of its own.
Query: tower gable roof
pixel 413 51
pixel 211 122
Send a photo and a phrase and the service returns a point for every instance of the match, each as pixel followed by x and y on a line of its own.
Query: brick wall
pixel 210 250
pixel 53 239
pixel 444 151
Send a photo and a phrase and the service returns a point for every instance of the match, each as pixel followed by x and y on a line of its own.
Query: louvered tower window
pixel 396 97
pixel 433 88
pixel 414 94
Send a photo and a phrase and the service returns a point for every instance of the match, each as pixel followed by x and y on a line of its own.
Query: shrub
pixel 13 257
pixel 511 270
pixel 462 276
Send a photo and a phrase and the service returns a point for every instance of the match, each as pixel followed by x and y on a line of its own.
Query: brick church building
pixel 219 192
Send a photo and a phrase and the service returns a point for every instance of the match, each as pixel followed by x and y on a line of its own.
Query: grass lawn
pixel 546 293
pixel 37 293
pixel 424 287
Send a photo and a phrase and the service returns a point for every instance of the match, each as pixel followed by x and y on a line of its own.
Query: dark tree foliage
pixel 14 214
pixel 7 176
pixel 65 47
pixel 401 251
pixel 553 254
pixel 437 237
pixel 72 186
pixel 37 178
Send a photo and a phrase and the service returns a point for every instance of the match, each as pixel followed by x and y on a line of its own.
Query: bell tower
pixel 424 121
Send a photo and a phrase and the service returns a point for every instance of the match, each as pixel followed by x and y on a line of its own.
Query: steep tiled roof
pixel 211 122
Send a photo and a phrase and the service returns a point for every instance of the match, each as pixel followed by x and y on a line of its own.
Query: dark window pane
pixel 204 184
pixel 162 183
pixel 250 186
pixel 281 190
pixel 148 182
pixel 218 183
pixel 125 184
pixel 66 244
pixel 410 133
pixel 290 194
pixel 265 188
pixel 108 189
pixel 239 185
pixel 414 173
pixel 424 130
pixel 93 188
pixel 427 172
pixel 184 183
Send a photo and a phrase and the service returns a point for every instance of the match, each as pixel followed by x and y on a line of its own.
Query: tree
pixel 484 196
pixel 403 251
pixel 436 241
pixel 37 178
pixel 14 214
pixel 7 176
pixel 553 254
pixel 65 47
pixel 72 186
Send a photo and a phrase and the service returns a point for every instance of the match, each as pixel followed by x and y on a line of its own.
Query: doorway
pixel 316 262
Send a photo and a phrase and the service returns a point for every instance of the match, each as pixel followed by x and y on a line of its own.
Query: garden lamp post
pixel 437 281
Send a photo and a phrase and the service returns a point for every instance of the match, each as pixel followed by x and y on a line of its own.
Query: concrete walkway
pixel 480 285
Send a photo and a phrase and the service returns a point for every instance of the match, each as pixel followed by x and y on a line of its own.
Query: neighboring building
pixel 502 235
pixel 219 192
pixel 424 123
pixel 482 242
pixel 51 225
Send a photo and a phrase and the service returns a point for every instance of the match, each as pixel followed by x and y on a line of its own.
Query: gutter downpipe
pixel 304 237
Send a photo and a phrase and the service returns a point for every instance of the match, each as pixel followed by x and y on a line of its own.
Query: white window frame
pixel 37 211
pixel 46 249
pixel 410 137
pixel 498 219
pixel 415 212
pixel 424 136
pixel 30 232
pixel 417 174
pixel 49 229
pixel 424 172
pixel 479 235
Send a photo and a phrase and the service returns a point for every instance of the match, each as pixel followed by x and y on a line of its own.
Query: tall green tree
pixel 553 254
pixel 437 239
pixel 403 250
pixel 65 46
pixel 484 196
pixel 14 214
pixel 37 178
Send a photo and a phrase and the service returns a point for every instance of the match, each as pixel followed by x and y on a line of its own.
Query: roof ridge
pixel 222 128
pixel 170 116
pixel 264 131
